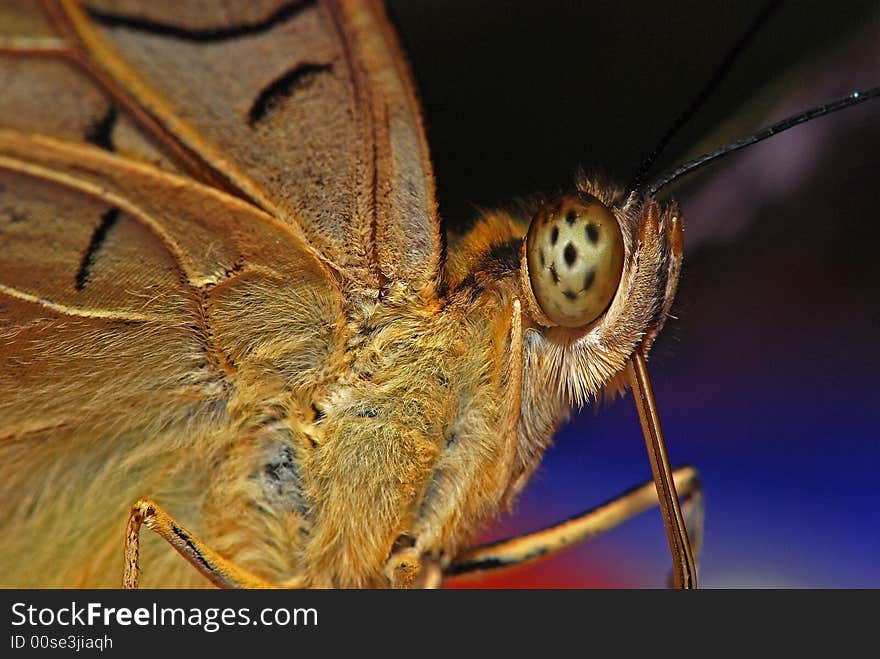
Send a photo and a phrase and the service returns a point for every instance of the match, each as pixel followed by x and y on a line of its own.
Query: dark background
pixel 765 379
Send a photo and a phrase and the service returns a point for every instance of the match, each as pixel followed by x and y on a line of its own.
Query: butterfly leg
pixel 221 572
pixel 694 511
pixel 406 568
pixel 583 527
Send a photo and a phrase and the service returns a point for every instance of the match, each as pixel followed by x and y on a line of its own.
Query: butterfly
pixel 266 373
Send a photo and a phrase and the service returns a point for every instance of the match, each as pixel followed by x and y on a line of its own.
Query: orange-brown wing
pixel 145 321
pixel 304 108
pixel 150 312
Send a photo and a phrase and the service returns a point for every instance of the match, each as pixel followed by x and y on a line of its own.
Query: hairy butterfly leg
pixel 221 572
pixel 554 539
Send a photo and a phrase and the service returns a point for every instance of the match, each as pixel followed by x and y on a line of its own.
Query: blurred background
pixel 765 378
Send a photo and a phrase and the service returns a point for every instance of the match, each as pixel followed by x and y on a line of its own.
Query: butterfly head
pixel 597 278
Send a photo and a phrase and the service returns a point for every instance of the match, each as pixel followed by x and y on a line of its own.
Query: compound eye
pixel 574 253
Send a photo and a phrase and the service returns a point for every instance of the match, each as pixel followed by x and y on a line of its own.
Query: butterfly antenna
pixel 717 78
pixel 855 98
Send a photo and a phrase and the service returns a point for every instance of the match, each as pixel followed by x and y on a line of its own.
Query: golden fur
pixel 312 394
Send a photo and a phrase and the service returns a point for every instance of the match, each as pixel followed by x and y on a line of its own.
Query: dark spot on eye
pixel 588 280
pixel 592 233
pixel 572 217
pixel 570 254
pixel 553 273
pixel 571 295
pixel 554 236
pixel 543 261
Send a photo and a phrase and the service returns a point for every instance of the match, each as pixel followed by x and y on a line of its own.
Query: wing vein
pixel 69 310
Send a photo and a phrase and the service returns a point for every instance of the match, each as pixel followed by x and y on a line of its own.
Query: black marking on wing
pixel 571 295
pixel 298 77
pixel 100 133
pixel 108 219
pixel 201 35
pixel 570 254
pixel 571 217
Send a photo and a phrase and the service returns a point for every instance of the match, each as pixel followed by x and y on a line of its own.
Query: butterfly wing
pixel 139 311
pixel 164 306
pixel 304 108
